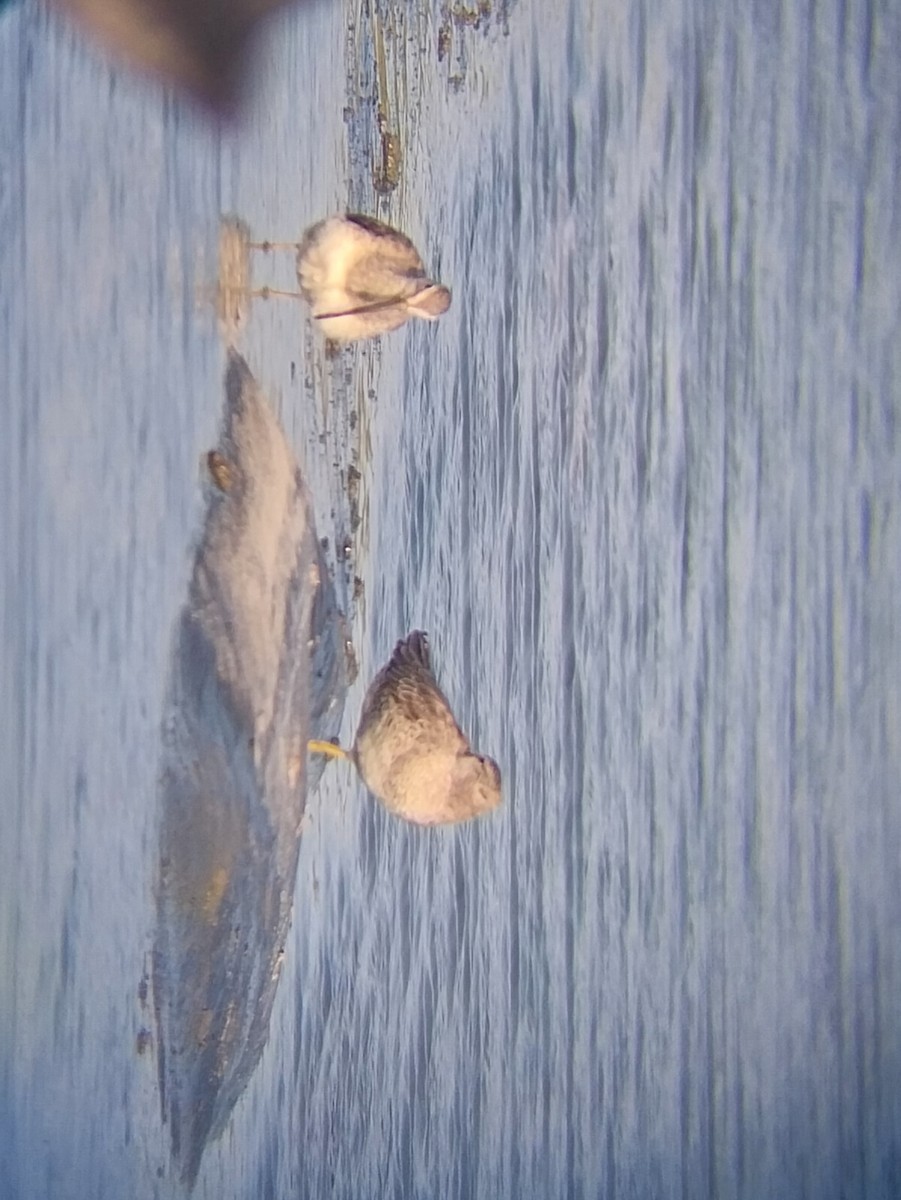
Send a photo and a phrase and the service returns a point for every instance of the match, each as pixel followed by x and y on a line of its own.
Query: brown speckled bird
pixel 409 750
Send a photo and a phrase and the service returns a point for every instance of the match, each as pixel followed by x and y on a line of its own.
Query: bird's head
pixel 480 778
pixel 429 303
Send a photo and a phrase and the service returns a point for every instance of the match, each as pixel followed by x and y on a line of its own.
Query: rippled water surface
pixel 642 485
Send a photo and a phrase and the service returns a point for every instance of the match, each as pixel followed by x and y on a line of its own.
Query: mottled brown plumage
pixel 410 751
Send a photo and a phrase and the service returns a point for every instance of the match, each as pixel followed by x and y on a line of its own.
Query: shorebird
pixel 409 750
pixel 361 278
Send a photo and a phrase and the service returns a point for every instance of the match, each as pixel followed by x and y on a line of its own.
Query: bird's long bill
pixel 328 748
pixel 374 306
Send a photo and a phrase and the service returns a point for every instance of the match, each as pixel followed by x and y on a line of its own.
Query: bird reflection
pixel 409 750
pixel 361 278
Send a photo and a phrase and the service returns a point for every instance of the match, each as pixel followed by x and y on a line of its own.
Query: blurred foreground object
pixel 203 46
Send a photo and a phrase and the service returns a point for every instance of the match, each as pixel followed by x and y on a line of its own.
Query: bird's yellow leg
pixel 327 748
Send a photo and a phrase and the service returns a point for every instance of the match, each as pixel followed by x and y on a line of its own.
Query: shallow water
pixel 640 484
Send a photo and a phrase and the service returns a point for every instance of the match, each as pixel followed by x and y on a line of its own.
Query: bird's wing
pixel 391 256
pixel 406 688
pixel 381 230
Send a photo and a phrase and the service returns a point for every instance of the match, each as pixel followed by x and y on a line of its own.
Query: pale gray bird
pixel 361 278
pixel 409 750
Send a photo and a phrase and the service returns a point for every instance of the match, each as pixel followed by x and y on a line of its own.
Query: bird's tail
pixel 414 648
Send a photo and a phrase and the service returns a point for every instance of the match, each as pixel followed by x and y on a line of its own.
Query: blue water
pixel 641 485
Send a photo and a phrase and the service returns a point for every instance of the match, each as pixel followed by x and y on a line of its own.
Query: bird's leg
pixel 267 246
pixel 328 748
pixel 266 293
